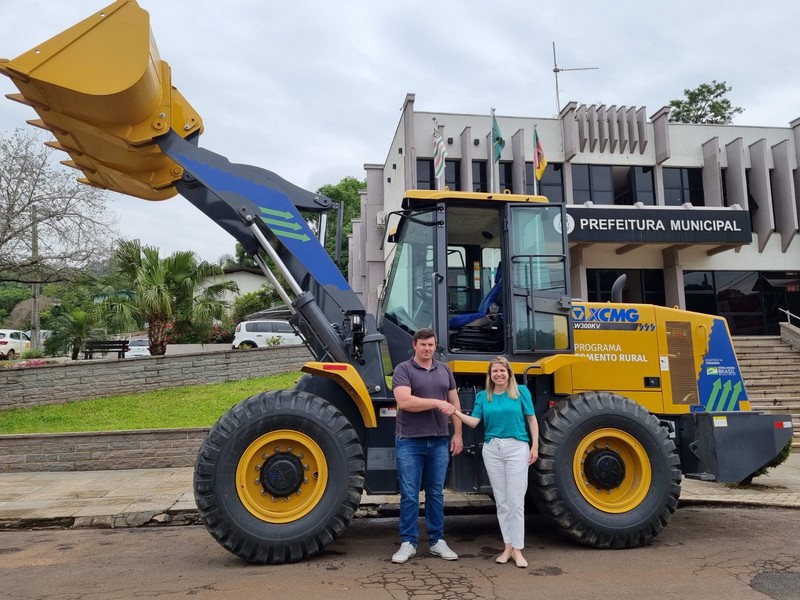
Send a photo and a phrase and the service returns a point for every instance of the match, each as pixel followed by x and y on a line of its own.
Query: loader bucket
pixel 102 90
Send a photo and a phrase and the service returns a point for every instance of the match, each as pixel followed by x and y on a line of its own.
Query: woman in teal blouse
pixel 508 451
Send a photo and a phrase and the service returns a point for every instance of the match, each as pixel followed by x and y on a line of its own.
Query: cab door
pixel 539 292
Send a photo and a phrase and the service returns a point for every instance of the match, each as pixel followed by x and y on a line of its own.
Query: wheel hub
pixel 604 469
pixel 282 474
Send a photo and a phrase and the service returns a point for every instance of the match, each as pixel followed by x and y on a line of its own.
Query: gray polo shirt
pixel 424 383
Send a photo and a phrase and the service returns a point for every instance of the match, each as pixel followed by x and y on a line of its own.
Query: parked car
pixel 138 348
pixel 12 343
pixel 258 334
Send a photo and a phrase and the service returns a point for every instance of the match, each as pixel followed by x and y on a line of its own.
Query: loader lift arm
pixel 260 210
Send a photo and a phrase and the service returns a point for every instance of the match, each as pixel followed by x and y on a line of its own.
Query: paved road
pixel 709 552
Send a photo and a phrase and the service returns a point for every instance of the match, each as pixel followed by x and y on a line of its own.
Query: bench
pixel 103 346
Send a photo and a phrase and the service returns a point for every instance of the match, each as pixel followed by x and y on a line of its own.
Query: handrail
pixel 789 315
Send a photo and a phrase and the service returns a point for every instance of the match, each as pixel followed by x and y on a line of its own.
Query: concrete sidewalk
pixel 152 497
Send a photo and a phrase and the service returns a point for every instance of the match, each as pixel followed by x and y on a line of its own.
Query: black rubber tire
pixel 11 354
pixel 564 431
pixel 225 513
pixel 247 346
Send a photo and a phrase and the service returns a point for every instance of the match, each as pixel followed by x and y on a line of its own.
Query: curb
pixel 184 517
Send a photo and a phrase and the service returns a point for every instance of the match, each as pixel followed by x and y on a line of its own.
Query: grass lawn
pixel 189 406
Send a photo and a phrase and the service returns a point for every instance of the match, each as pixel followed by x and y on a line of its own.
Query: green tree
pixel 240 258
pixel 707 104
pixel 12 294
pixel 346 192
pixel 262 299
pixel 174 292
pixel 70 329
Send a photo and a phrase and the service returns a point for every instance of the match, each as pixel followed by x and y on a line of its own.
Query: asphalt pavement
pixel 154 497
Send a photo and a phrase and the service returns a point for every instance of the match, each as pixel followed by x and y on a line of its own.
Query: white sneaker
pixel 407 550
pixel 442 550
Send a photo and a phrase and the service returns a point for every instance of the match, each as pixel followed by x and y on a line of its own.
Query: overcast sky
pixel 313 90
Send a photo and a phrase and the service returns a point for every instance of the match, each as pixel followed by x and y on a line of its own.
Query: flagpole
pixel 535 180
pixel 492 176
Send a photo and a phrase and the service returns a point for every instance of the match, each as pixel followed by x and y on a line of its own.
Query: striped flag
pixel 539 159
pixel 439 153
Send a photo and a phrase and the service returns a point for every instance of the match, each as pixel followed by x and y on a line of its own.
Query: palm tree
pixel 176 291
pixel 70 329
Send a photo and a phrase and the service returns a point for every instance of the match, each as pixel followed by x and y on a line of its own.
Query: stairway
pixel 771 372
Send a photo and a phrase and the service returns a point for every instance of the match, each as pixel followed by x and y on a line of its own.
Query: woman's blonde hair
pixel 512 390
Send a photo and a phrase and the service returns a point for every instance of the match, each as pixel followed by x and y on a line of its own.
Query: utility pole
pixel 557 70
pixel 35 324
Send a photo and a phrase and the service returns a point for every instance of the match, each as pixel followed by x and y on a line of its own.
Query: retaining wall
pixel 78 380
pixel 95 451
pixel 82 379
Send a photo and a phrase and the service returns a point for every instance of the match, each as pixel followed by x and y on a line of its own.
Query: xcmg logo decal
pixel 605 314
pixel 608 317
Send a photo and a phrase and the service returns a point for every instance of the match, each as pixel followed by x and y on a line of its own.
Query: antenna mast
pixel 557 70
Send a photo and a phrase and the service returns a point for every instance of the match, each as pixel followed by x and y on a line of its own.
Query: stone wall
pixel 100 450
pixel 79 380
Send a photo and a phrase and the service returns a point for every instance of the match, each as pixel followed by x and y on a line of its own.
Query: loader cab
pixel 488 273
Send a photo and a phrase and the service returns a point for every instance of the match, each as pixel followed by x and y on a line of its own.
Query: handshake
pixel 447 408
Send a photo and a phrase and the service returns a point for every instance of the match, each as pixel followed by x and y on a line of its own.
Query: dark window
pixel 425 177
pixel 642 285
pixel 506 182
pixel 682 185
pixel 452 174
pixel 592 183
pixel 552 183
pixel 283 328
pixel 479 180
pixel 643 188
pixel 750 301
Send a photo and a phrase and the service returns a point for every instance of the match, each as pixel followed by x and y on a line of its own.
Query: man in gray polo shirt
pixel 423 444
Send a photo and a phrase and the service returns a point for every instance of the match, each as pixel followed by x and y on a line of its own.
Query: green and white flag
pixel 439 153
pixel 498 143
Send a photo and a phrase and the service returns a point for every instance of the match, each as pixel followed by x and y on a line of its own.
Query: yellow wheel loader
pixel 630 398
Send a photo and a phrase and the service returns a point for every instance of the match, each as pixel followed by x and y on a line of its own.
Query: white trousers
pixel 506 461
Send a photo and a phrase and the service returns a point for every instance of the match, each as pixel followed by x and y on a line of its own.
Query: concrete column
pixel 661 134
pixel 518 164
pixel 466 159
pixel 673 278
pixel 577 274
pixel 712 175
pixel 410 149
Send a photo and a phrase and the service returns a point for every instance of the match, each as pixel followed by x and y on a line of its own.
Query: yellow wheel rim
pixel 290 447
pixel 629 492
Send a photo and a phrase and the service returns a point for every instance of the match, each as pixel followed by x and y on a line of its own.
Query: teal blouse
pixel 504 417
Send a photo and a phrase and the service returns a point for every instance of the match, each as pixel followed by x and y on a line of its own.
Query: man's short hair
pixel 425 333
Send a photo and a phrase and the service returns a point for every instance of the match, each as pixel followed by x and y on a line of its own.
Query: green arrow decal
pixel 277 213
pixel 726 390
pixel 714 391
pixel 290 225
pixel 295 236
pixel 737 389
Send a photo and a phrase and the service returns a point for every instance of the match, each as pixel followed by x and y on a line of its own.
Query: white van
pixel 258 334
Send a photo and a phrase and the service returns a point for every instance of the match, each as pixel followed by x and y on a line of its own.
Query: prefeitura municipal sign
pixel 658 225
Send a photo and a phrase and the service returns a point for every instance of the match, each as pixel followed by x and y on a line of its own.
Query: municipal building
pixel 703 217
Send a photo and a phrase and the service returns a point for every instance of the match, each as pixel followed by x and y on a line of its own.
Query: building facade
pixel 704 217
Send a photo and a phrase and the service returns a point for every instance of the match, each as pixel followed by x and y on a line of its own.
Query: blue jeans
pixel 422 463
